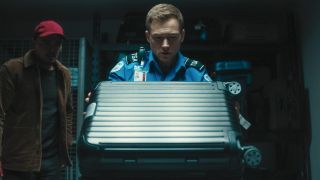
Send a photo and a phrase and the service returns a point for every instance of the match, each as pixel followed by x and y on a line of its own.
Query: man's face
pixel 48 48
pixel 165 39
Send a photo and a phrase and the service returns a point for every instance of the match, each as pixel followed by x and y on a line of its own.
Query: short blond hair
pixel 163 12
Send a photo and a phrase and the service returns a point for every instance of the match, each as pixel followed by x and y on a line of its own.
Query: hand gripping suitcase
pixel 165 130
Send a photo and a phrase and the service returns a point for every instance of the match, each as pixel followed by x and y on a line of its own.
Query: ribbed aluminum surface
pixel 160 113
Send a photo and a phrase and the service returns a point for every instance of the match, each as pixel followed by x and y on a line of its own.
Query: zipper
pixel 62 92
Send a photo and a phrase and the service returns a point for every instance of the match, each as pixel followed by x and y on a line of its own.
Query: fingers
pixel 87 99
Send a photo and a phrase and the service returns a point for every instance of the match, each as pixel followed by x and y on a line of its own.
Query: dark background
pixel 280 38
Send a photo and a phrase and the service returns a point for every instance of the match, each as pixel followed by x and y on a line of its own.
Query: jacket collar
pixel 30 59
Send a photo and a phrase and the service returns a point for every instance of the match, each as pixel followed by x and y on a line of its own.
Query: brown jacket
pixel 21 113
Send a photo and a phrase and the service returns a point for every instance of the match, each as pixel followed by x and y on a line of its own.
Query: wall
pixel 309 12
pixel 23 29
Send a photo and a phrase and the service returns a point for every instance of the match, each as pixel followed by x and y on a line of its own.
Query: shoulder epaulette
pixel 131 58
pixel 193 63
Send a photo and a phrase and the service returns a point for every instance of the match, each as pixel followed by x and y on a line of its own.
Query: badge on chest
pixel 139 74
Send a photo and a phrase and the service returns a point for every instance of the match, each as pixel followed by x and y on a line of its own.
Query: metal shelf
pixel 239 48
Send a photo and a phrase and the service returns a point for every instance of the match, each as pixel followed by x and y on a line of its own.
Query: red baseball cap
pixel 48 27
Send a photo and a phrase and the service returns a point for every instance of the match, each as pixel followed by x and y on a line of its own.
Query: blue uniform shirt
pixel 130 69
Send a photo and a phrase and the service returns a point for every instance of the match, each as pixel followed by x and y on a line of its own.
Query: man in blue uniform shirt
pixel 165 33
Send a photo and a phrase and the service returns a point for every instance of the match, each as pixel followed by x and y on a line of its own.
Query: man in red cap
pixel 36 110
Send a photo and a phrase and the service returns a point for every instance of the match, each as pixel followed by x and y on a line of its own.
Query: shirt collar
pixel 152 61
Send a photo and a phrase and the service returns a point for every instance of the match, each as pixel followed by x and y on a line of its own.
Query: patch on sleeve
pixel 195 64
pixel 207 78
pixel 117 67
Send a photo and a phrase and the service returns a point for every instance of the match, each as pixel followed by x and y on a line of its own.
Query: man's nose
pixel 165 43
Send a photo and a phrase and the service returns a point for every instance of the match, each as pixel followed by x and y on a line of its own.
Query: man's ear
pixel 183 32
pixel 147 35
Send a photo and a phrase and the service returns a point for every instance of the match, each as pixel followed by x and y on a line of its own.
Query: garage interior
pixel 277 38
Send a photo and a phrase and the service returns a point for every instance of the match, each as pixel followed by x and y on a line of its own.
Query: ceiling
pixel 84 9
